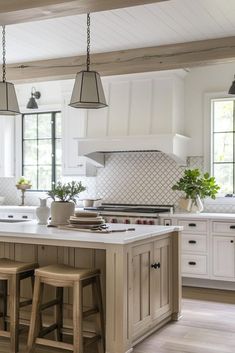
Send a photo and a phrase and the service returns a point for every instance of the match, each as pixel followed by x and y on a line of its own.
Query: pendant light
pixel 88 92
pixel 32 104
pixel 8 99
pixel 232 88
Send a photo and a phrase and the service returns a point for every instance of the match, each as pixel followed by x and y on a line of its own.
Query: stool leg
pixel 35 315
pixel 97 302
pixel 14 312
pixel 59 313
pixel 77 318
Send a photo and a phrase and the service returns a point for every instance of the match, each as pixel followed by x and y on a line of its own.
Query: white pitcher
pixel 42 212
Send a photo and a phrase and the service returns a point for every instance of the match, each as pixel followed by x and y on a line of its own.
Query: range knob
pixel 138 221
pixel 145 222
pixel 114 220
pixel 151 222
pixel 127 221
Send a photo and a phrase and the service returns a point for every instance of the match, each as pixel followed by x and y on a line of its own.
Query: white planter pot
pixel 61 212
pixel 191 205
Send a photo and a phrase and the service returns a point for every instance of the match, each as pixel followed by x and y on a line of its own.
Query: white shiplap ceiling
pixel 173 21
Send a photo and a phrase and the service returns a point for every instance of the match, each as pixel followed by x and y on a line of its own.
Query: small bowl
pixel 89 202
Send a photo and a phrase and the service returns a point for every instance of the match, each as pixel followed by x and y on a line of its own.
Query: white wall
pixel 208 79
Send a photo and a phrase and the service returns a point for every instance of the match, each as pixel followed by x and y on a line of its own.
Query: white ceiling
pixel 173 21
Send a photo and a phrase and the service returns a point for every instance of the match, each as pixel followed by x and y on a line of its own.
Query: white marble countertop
pixel 215 216
pixel 30 232
pixel 17 208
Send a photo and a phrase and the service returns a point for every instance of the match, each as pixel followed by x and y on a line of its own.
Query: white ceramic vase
pixel 190 205
pixel 42 212
pixel 61 212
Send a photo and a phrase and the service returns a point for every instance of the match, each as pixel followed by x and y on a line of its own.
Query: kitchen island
pixel 140 272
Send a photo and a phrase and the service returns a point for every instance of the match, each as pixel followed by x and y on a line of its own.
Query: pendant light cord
pixel 3 54
pixel 88 42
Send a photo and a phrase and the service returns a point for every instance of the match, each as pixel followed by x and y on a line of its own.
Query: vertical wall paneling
pixel 162 106
pixel 97 119
pixel 119 108
pixel 140 107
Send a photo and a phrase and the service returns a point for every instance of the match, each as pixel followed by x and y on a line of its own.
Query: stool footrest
pixel 25 303
pixel 4 334
pixel 49 304
pixel 90 312
pixel 54 344
pixel 47 330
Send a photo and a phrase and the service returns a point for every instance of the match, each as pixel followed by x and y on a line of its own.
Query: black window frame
pixel 53 140
pixel 213 133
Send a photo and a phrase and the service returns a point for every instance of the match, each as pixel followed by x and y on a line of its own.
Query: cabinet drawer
pixel 193 226
pixel 194 242
pixel 223 227
pixel 194 264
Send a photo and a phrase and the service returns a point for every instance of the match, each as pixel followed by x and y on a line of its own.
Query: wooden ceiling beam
pixel 166 57
pixel 15 11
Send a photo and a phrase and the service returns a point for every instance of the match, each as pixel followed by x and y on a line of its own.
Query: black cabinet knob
pixel 156 265
pixel 231 241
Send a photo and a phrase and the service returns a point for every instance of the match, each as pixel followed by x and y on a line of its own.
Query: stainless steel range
pixel 131 213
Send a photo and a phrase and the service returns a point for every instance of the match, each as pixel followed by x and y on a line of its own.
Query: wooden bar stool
pixel 11 273
pixel 61 276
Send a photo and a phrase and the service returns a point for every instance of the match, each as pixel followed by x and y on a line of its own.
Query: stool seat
pixel 8 266
pixel 63 272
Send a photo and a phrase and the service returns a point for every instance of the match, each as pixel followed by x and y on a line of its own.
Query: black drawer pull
pixel 192 225
pixel 24 217
pixel 192 241
pixel 192 263
pixel 10 216
pixel 232 227
pixel 156 265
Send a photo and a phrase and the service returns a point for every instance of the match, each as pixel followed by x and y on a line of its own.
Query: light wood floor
pixel 206 327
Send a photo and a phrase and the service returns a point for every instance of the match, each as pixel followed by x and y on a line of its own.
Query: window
pixel 223 143
pixel 41 154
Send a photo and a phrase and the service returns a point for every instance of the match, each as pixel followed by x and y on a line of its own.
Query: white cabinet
pixel 7 146
pixel 74 125
pixel 223 257
pixel 208 248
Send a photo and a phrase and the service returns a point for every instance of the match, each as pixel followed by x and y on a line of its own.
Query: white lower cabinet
pixel 223 257
pixel 207 247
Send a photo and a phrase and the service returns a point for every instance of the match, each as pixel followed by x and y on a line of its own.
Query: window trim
pixel 208 128
pixel 18 135
pixel 53 142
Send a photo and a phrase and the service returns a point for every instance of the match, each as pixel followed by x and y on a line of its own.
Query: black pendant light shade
pixel 88 91
pixel 8 100
pixel 232 88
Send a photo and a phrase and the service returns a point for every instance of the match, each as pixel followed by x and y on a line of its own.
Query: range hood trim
pixel 175 145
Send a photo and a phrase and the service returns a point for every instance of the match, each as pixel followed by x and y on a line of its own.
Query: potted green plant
pixel 196 187
pixel 64 200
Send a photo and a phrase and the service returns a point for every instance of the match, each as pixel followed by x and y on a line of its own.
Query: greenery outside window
pixel 41 149
pixel 223 143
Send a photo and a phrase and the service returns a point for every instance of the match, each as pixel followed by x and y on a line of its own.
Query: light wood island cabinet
pixel 140 270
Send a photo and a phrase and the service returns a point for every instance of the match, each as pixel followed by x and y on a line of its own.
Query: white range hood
pixel 174 145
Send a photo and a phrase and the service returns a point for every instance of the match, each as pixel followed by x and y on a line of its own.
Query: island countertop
pixel 31 232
